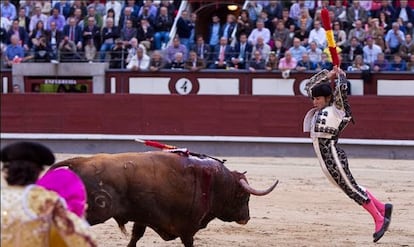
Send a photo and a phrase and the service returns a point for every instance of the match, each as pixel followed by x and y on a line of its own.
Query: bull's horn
pixel 256 192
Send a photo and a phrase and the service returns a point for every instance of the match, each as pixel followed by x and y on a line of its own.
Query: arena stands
pixel 101 31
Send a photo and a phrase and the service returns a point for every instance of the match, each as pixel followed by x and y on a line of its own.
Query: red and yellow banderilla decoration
pixel 326 22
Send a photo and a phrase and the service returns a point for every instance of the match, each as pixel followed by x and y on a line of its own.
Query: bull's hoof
pixel 378 235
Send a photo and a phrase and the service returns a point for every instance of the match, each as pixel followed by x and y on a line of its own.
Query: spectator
pixel 222 55
pixel 404 12
pixel 407 47
pixel 77 15
pixel 178 62
pixel 394 39
pixel 305 63
pixel 381 64
pixel 279 49
pixel 132 49
pixel 314 53
pixel 357 32
pixel 90 51
pixel 194 63
pixel 24 20
pixel 145 34
pixel 64 8
pixel 163 24
pixel 371 51
pixel 398 64
pixel 254 10
pixel 78 5
pixel 257 62
pixel 384 22
pixel 5 24
pixel 109 14
pixel 274 10
pixel 148 10
pixel 260 30
pixel 304 19
pixel 3 41
pixel 287 20
pixel 45 6
pixel 214 31
pixel 128 32
pixel 38 32
pixel 68 51
pixel 358 65
pixel 387 9
pixel 73 32
pixel 175 47
pixel 193 19
pixel 267 22
pixel 57 18
pixel 339 11
pixel 295 9
pixel 228 27
pixel 91 36
pixel 202 49
pixel 21 34
pixel 184 28
pixel 127 16
pixel 297 50
pixel 303 35
pixel 99 7
pixel 37 16
pixel 92 13
pixel 376 32
pixel 156 62
pixel 42 50
pixel 318 35
pixel 410 64
pixel 354 49
pixel 242 51
pixel 356 13
pixel 339 34
pixel 8 10
pixel 324 63
pixel 14 51
pixel 145 14
pixel 261 47
pixel 109 34
pixel 282 33
pixel 54 37
pixel 170 7
pixel 117 7
pixel 273 62
pixel 118 55
pixel 244 24
pixel 288 62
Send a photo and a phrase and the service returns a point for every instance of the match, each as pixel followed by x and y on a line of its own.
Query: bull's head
pixel 237 203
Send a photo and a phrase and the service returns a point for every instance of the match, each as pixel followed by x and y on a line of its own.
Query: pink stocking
pixel 379 205
pixel 376 215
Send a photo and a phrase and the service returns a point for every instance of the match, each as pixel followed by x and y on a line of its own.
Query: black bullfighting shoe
pixel 378 235
pixel 388 213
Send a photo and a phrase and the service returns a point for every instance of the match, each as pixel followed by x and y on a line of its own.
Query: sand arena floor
pixel 304 210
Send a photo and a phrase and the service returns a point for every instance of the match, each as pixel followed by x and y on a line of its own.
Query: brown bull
pixel 173 194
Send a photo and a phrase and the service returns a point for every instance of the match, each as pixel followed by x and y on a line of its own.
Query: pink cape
pixel 69 186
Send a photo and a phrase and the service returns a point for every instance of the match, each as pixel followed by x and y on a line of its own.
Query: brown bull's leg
pixel 187 241
pixel 137 233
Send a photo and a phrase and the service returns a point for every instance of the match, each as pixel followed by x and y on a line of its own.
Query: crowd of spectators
pixel 266 35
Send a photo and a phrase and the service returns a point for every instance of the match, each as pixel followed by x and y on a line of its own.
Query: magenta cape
pixel 69 186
